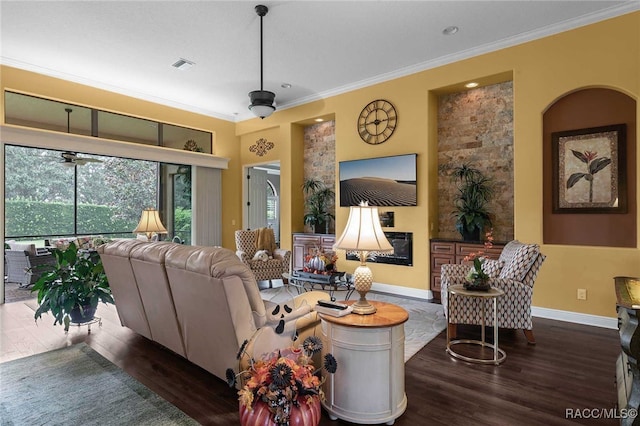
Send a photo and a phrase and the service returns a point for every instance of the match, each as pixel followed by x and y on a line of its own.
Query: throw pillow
pixel 492 267
pixel 521 262
pixel 261 255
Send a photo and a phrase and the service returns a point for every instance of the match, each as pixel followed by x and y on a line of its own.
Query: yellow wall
pixel 605 54
pixel 226 143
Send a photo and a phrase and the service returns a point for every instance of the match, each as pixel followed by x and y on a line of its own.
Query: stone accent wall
pixel 320 154
pixel 476 127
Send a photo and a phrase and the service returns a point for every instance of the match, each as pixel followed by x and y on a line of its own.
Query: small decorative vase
pixel 303 415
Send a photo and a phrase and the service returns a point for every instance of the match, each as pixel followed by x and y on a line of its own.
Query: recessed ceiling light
pixel 183 64
pixel 471 85
pixel 285 86
pixel 318 120
pixel 450 30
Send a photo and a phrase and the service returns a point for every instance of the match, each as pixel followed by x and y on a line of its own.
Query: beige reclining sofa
pixel 201 302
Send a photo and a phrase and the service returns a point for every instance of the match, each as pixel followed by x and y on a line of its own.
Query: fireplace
pixel 402 243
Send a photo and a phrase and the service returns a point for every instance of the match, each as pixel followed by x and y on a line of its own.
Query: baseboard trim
pixel 554 314
pixel 575 317
pixel 402 291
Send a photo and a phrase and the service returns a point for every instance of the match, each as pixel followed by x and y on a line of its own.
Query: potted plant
pixel 318 205
pixel 474 191
pixel 72 289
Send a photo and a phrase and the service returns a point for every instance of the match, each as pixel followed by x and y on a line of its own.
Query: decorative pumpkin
pixel 302 415
pixel 316 263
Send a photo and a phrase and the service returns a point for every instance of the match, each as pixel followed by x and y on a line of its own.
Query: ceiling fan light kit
pixel 262 101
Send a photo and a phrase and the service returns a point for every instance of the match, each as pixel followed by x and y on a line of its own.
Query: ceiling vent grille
pixel 183 64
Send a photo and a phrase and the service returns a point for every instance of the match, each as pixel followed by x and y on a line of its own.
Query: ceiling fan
pixel 71 159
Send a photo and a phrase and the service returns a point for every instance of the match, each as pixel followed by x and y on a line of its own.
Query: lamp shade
pixel 363 231
pixel 149 223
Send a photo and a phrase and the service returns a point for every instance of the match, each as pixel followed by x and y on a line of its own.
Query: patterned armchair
pixel 257 250
pixel 514 272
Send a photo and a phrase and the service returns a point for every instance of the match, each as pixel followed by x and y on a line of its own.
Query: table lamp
pixel 150 223
pixel 363 235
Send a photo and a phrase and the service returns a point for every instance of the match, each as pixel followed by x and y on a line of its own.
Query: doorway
pixel 261 197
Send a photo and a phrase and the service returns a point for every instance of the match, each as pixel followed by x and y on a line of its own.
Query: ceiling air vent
pixel 183 64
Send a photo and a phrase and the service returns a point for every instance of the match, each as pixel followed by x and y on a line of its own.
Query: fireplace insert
pixel 402 243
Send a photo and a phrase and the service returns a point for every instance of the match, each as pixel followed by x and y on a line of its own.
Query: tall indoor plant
pixel 474 191
pixel 318 205
pixel 72 289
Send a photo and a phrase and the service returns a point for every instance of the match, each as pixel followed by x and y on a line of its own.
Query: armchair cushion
pixel 492 267
pixel 522 260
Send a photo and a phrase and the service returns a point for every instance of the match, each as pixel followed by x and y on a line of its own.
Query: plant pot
pixel 303 415
pixel 86 314
pixel 477 285
pixel 472 235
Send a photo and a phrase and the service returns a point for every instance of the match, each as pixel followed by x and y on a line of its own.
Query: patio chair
pixel 26 266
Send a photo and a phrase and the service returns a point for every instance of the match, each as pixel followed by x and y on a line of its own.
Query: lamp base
pixel 362 280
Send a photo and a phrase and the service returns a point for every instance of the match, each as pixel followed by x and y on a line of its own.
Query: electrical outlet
pixel 582 294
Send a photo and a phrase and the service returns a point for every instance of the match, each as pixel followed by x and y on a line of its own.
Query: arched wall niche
pixel 582 109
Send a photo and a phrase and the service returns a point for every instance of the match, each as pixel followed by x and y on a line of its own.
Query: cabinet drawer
pixel 442 248
pixel 438 261
pixel 435 282
pixel 328 241
pixel 306 239
pixel 467 249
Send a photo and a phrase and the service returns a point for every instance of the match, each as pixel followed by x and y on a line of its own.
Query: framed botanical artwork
pixel 589 173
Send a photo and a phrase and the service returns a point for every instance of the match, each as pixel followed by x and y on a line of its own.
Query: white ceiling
pixel 321 48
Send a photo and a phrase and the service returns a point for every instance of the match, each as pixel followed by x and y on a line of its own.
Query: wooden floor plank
pixel 571 367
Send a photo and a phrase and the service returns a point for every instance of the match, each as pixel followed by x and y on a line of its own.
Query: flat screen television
pixel 383 181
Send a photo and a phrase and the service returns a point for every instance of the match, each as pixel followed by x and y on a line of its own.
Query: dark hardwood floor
pixel 571 367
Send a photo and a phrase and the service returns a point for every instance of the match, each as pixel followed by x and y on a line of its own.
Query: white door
pixel 257 198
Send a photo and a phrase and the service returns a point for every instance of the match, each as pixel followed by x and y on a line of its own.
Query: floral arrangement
pixel 283 379
pixel 320 262
pixel 476 276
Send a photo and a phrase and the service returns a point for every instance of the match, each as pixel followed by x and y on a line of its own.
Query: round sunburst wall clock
pixel 377 122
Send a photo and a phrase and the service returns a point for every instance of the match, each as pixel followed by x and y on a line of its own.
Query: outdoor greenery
pixel 39 193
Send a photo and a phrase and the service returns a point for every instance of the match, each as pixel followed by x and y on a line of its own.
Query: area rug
pixel 426 320
pixel 76 385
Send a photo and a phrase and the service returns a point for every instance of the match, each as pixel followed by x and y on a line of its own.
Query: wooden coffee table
pixel 368 387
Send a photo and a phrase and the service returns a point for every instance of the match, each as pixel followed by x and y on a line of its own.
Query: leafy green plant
pixel 474 191
pixel 318 205
pixel 77 281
